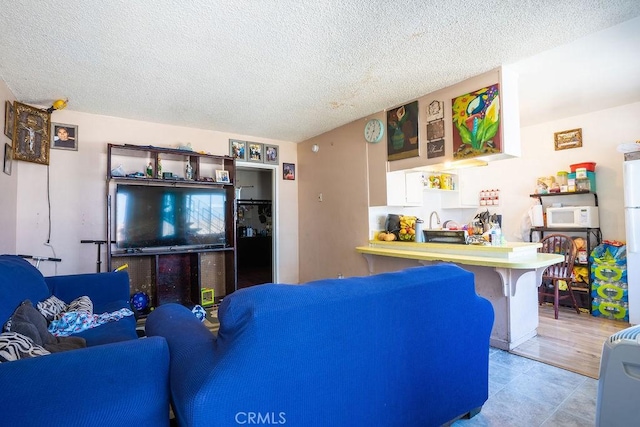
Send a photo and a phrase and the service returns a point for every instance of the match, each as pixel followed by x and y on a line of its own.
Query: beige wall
pixel 8 186
pixel 77 191
pixel 330 230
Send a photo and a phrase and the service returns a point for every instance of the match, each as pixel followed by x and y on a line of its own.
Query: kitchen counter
pixel 507 275
pixel 518 255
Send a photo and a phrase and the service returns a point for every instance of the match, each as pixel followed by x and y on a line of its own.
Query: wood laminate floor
pixel 572 342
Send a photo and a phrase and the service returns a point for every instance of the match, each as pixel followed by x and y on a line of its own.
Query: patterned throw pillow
pixel 83 304
pixel 14 346
pixel 52 307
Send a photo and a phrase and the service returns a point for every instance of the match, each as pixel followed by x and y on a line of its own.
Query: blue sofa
pixel 117 379
pixel 404 348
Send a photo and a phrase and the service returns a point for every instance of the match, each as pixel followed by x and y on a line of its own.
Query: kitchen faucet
pixel 431 219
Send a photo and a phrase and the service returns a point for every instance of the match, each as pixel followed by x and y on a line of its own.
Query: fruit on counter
pixel 386 237
pixel 407 228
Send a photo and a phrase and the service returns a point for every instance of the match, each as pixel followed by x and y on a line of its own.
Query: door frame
pixel 275 224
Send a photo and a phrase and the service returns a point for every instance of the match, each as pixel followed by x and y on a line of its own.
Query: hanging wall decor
pixel 64 137
pixel 271 154
pixel 436 111
pixel 435 148
pixel 256 152
pixel 31 134
pixel 402 132
pixel 288 171
pixel 568 139
pixel 8 153
pixel 8 119
pixel 476 123
pixel 238 149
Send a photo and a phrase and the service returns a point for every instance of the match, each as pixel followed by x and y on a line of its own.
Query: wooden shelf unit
pixel 176 274
pixel 593 237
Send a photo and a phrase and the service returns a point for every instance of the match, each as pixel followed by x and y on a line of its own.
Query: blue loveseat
pixel 407 348
pixel 116 380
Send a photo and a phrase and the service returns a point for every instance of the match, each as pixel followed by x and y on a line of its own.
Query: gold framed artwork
pixel 31 127
pixel 567 139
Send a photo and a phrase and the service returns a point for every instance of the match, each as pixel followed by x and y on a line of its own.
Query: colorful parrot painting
pixel 476 123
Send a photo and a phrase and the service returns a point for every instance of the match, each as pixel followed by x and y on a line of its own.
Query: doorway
pixel 256 234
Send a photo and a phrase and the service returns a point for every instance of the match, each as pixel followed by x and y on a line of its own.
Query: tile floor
pixel 526 393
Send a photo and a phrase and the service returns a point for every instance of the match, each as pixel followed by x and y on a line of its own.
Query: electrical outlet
pixel 320 197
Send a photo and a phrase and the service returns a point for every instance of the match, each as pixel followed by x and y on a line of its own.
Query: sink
pixel 445 236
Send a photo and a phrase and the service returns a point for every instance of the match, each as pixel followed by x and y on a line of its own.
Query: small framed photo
pixel 289 171
pixel 238 149
pixel 8 154
pixel 8 119
pixel 31 127
pixel 64 137
pixel 256 152
pixel 271 154
pixel 222 176
pixel 568 139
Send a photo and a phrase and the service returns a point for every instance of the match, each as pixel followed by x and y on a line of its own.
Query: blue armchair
pixel 117 379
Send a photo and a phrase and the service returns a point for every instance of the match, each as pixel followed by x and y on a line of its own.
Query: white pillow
pixel 52 307
pixel 82 303
pixel 14 346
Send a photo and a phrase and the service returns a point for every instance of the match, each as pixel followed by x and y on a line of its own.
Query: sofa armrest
pixel 192 349
pixel 99 287
pixel 114 384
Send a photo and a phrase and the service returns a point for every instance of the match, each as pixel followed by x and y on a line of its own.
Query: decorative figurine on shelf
pixel 149 170
pixel 159 171
pixel 188 171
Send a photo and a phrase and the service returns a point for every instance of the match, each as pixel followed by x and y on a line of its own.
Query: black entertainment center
pixel 177 236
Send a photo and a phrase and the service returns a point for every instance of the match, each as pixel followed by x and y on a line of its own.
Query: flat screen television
pixel 149 216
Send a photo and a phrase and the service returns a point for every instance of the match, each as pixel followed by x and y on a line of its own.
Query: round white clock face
pixel 373 130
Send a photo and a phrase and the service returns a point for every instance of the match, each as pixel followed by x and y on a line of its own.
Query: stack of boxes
pixel 582 177
pixel 609 282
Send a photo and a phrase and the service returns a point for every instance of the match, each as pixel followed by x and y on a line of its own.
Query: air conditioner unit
pixel 618 400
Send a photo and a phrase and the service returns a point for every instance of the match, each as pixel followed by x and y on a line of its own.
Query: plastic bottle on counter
pixel 419 233
pixel 496 235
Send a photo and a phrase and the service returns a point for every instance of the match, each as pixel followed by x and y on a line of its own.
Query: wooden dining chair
pixel 563 245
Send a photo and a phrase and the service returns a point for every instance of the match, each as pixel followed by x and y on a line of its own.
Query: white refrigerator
pixel 631 175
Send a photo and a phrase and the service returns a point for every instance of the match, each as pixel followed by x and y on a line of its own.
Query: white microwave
pixel 573 217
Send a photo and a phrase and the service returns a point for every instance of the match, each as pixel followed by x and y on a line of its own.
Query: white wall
pixel 602 132
pixel 77 190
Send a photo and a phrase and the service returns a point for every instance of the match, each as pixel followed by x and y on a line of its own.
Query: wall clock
pixel 373 130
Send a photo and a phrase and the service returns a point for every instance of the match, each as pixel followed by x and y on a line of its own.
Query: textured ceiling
pixel 282 69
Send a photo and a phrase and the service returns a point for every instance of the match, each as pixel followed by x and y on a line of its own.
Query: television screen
pixel 155 216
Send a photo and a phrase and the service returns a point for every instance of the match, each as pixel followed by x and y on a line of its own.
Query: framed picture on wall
pixel 31 128
pixel 238 149
pixel 567 139
pixel 8 119
pixel 256 152
pixel 8 153
pixel 64 137
pixel 271 154
pixel 288 171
